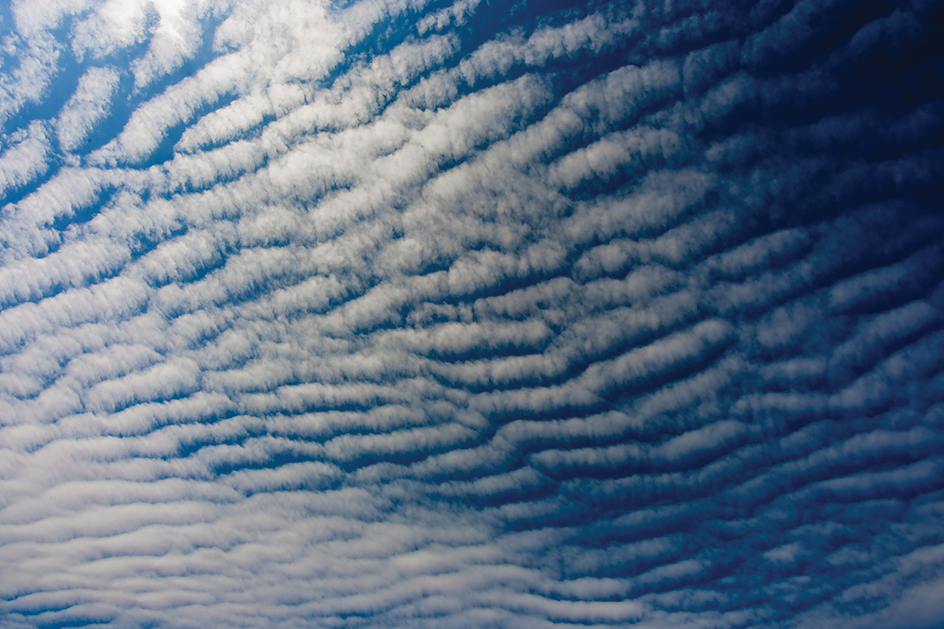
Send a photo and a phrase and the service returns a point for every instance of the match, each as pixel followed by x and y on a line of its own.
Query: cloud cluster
pixel 407 313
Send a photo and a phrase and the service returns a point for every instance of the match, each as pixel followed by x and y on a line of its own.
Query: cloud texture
pixel 409 313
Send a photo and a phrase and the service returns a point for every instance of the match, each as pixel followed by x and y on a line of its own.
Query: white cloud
pixel 87 107
pixel 459 314
pixel 26 159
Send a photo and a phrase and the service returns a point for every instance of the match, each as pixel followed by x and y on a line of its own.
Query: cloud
pixel 403 314
pixel 87 107
pixel 25 160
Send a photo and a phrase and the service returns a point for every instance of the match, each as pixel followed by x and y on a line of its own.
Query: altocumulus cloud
pixel 419 313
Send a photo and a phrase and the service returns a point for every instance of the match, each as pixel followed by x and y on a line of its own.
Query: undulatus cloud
pixel 415 313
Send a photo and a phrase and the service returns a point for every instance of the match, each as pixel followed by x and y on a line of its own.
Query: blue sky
pixel 409 313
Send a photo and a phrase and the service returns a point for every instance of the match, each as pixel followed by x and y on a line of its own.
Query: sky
pixel 471 314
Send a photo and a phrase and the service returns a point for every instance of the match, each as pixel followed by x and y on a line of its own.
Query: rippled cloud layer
pixel 410 313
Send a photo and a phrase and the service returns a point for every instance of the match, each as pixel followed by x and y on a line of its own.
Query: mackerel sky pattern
pixel 472 314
